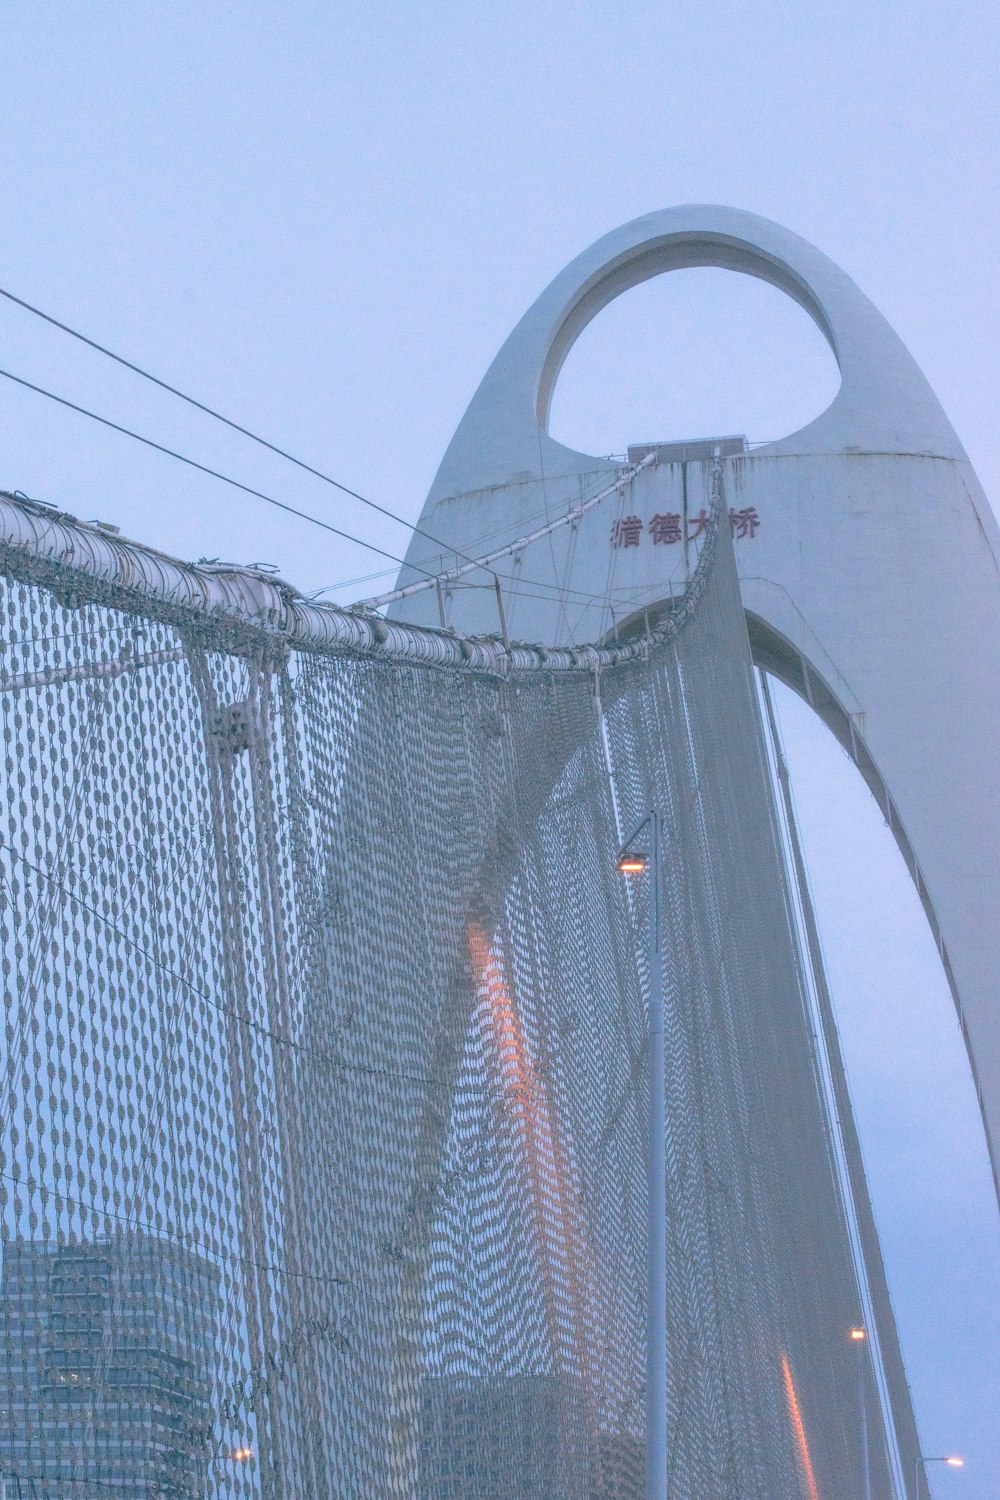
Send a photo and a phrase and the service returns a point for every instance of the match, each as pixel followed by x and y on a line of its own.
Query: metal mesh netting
pixel 323 1097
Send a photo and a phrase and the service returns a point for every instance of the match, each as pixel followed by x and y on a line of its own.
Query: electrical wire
pixel 478 541
pixel 235 427
pixel 270 499
pixel 244 432
pixel 199 405
pixel 512 583
pixel 204 469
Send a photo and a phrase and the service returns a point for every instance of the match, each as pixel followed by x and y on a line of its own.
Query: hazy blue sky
pixel 325 219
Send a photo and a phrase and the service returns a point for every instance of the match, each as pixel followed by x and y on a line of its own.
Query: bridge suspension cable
pixel 519 543
pixel 193 463
pixel 218 416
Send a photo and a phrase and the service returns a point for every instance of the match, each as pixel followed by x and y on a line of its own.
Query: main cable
pixel 246 432
pixel 281 504
pixel 236 427
pixel 204 469
pixel 192 401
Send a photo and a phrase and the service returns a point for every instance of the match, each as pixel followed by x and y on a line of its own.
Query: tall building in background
pixel 106 1353
pixel 496 1438
pixel 485 1439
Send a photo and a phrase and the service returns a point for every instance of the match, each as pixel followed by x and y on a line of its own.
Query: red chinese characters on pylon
pixel 667 529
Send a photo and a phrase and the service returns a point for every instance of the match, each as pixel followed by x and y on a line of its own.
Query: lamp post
pixel 922 1460
pixel 635 858
pixel 860 1338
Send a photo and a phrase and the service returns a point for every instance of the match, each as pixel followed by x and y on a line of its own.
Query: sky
pixel 324 220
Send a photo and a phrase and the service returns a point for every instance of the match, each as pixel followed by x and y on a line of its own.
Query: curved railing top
pixel 88 563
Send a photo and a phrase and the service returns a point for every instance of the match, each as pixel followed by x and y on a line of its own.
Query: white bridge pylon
pixel 869 561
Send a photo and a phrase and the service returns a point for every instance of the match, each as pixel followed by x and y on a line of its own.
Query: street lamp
pixel 860 1337
pixel 951 1460
pixel 638 858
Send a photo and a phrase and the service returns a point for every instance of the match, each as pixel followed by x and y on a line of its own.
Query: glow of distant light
pixel 798 1428
pixel 567 1265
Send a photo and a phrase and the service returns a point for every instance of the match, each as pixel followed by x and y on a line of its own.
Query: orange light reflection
pixel 566 1263
pixel 798 1427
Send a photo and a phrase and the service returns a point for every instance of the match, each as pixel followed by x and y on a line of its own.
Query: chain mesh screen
pixel 321 1159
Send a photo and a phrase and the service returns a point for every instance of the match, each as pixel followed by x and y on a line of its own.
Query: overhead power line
pixel 199 405
pixel 202 468
pixel 447 547
pixel 515 585
pixel 235 427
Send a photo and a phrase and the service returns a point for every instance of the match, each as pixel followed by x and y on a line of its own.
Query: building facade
pixel 106 1352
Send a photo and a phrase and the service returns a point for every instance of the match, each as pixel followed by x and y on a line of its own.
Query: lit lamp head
pixel 951 1459
pixel 242 1455
pixel 633 862
pixel 858 1335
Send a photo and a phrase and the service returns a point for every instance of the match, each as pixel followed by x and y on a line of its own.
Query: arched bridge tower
pixel 870 572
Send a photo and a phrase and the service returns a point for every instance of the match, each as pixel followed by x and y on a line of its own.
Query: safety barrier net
pixel 322 1165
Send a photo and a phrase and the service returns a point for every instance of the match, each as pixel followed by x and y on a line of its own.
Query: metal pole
pixel 502 612
pixel 866 1478
pixel 656 1285
pixel 684 521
